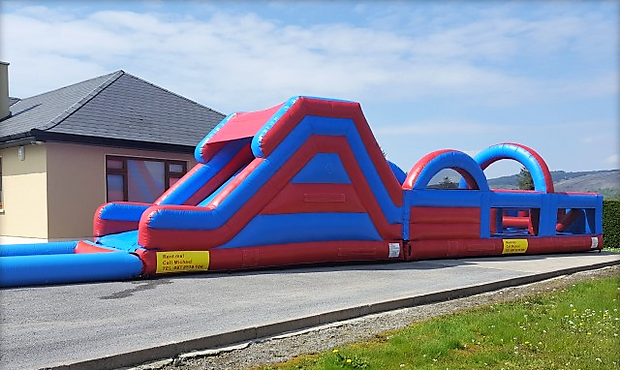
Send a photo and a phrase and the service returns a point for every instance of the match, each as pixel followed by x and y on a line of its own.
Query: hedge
pixel 611 224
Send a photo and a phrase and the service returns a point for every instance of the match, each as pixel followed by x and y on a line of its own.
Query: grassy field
pixel 574 328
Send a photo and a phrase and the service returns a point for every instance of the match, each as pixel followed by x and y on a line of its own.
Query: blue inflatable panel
pixel 299 228
pixel 35 249
pixel 123 211
pixel 125 241
pixel 323 168
pixel 208 200
pixel 398 172
pixel 447 198
pixel 204 173
pixel 68 268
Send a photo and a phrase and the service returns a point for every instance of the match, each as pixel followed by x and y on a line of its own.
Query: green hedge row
pixel 611 224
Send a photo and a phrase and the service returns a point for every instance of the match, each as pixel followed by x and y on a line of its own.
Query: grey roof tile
pixel 41 110
pixel 114 106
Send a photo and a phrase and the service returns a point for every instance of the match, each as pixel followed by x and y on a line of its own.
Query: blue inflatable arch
pixel 427 167
pixel 522 154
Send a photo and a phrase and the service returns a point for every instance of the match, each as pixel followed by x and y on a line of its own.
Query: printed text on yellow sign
pixel 168 262
pixel 512 246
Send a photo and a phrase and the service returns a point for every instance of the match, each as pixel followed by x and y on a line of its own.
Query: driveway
pixel 115 324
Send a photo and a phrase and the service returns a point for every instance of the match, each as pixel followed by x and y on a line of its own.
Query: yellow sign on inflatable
pixel 168 262
pixel 512 246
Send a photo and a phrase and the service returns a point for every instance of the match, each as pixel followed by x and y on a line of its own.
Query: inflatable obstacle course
pixel 306 182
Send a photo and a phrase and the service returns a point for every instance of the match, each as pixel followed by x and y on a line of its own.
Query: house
pixel 65 152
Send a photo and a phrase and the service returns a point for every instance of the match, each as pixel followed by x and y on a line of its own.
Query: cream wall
pixel 24 191
pixel 76 184
pixel 54 192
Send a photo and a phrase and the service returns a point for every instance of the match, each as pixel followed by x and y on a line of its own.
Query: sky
pixel 429 75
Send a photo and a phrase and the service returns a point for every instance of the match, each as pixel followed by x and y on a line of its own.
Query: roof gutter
pixel 16 140
pixel 39 135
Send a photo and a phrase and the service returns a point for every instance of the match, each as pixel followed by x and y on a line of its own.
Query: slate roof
pixel 114 109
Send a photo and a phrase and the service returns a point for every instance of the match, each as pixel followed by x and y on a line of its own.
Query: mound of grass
pixel 575 328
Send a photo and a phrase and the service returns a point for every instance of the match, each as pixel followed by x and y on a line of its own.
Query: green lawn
pixel 574 328
pixel 611 249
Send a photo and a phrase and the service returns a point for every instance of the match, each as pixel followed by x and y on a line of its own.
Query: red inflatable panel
pixel 515 221
pixel 421 231
pixel 265 256
pixel 315 198
pixel 565 221
pixel 105 227
pixel 445 215
pixel 83 247
pixel 244 125
pixel 207 152
pixel 149 261
pixel 425 249
pixel 298 253
pixel 444 223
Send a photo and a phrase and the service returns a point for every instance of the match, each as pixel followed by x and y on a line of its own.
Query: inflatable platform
pixel 305 182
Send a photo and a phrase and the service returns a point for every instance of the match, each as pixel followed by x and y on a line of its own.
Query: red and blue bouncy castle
pixel 306 182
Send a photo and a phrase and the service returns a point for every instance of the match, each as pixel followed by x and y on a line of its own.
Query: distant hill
pixel 606 182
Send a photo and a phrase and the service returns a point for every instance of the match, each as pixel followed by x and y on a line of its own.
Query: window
pixel 140 179
pixel 1 206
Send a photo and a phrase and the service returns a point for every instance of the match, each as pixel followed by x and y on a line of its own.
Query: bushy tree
pixel 446 183
pixel 525 181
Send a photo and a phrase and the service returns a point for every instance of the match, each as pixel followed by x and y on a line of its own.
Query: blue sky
pixel 429 74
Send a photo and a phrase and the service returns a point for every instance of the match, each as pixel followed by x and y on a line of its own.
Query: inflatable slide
pixel 306 182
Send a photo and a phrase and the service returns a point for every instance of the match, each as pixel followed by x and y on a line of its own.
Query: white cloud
pixel 226 57
pixel 519 65
pixel 613 160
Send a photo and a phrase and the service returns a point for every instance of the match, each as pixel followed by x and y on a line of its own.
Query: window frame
pixel 168 174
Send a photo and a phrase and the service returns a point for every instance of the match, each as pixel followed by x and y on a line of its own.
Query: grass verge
pixel 577 327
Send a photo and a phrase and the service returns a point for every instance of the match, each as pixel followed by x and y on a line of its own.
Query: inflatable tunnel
pixel 306 182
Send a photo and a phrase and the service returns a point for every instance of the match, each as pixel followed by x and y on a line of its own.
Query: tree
pixel 446 183
pixel 525 181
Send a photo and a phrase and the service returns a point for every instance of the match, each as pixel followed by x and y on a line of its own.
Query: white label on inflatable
pixel 394 250
pixel 594 242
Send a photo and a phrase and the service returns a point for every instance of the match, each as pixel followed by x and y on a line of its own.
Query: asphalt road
pixel 110 325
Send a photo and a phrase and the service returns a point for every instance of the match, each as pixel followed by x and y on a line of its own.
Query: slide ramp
pixel 305 181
